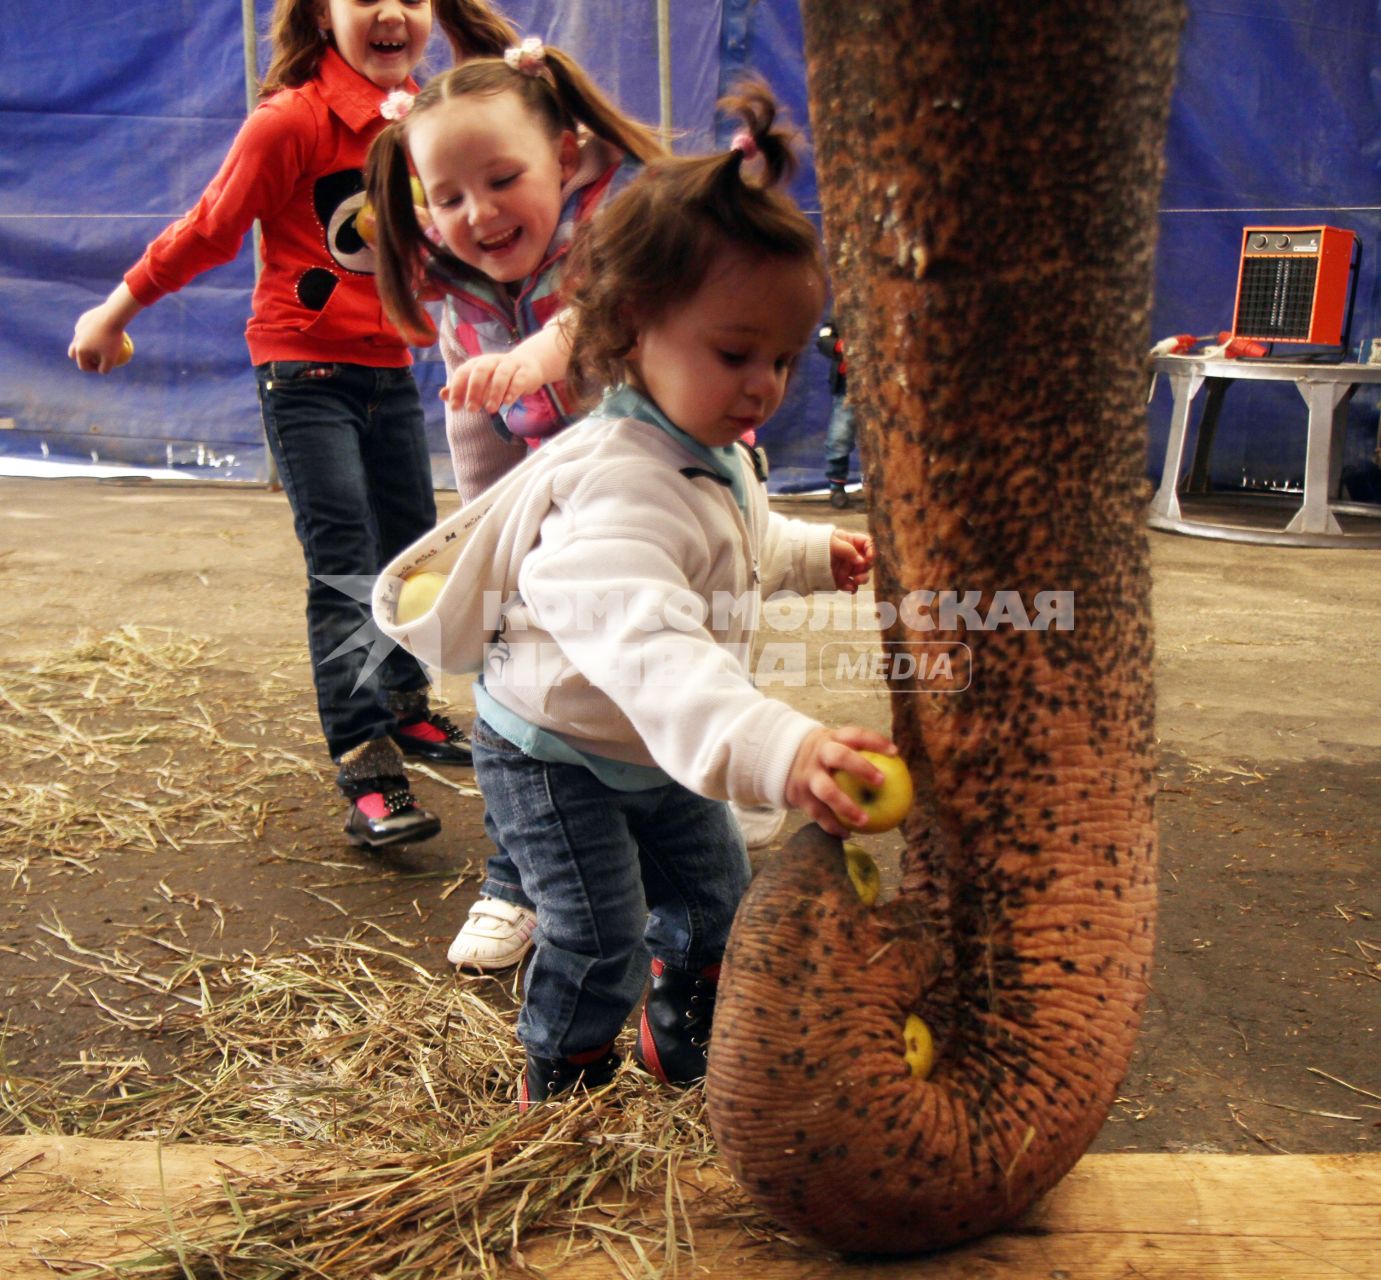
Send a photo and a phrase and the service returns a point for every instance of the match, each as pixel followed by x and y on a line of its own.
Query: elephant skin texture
pixel 989 177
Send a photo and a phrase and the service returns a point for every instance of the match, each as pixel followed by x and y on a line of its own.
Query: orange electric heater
pixel 1292 284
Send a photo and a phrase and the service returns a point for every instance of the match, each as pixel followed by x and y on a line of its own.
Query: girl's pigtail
pixel 650 248
pixel 400 244
pixel 473 29
pixel 761 138
pixel 587 105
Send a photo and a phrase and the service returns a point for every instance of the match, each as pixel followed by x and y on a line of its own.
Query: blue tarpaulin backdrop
pixel 121 116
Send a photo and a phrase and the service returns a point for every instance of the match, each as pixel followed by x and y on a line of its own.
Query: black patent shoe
pixel 382 818
pixel 674 1032
pixel 544 1077
pixel 434 738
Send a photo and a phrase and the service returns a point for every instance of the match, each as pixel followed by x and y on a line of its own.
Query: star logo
pixel 360 587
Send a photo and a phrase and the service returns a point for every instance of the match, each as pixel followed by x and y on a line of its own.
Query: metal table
pixel 1326 389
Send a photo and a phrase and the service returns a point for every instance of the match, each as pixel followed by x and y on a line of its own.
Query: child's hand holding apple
pixel 367 221
pixel 100 342
pixel 849 779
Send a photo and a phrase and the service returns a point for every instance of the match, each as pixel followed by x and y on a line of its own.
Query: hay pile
pixel 123 709
pixel 396 1090
pixel 390 1088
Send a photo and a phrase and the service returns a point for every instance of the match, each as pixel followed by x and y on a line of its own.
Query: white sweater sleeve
pixel 795 556
pixel 611 587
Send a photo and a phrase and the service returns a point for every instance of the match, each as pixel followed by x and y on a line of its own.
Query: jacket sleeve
pixel 255 180
pixel 689 698
pixel 795 556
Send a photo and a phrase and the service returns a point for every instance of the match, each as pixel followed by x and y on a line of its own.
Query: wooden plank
pixel 1162 1217
pixel 1159 1217
pixel 77 1200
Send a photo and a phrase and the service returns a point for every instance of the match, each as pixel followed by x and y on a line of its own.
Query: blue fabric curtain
pixel 121 116
pixel 117 120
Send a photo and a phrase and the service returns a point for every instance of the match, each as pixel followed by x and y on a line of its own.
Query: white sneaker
pixel 760 824
pixel 496 935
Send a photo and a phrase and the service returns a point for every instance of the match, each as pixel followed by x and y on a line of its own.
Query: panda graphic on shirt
pixel 338 198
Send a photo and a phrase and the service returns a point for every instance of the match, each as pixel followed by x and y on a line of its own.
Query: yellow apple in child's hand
pixel 126 353
pixel 419 193
pixel 365 224
pixel 886 805
pixel 417 595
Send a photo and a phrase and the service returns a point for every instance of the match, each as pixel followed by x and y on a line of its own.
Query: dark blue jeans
pixel 840 435
pixel 616 878
pixel 352 454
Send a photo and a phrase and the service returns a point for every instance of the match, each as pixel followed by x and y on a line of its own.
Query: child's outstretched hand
pixel 488 381
pixel 810 786
pixel 98 342
pixel 851 559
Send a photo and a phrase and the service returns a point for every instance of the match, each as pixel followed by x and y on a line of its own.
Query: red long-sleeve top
pixel 296 165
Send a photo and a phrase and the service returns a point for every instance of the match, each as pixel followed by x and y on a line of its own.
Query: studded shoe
pixel 382 818
pixel 383 810
pixel 433 737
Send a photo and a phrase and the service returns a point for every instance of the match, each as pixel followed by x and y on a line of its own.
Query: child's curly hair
pixel 652 246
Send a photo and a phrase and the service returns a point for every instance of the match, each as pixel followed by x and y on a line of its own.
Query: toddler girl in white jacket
pixel 608 590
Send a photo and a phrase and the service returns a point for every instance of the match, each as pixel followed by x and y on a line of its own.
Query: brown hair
pixel 651 247
pixel 471 28
pixel 560 98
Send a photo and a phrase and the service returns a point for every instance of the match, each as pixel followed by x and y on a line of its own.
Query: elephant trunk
pixel 991 247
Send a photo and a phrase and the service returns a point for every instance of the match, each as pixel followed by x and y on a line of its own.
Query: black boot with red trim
pixel 674 1033
pixel 544 1077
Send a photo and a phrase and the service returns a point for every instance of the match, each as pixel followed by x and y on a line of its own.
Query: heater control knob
pixel 1282 242
pixel 1259 241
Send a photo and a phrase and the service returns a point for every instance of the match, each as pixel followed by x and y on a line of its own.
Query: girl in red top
pixel 340 407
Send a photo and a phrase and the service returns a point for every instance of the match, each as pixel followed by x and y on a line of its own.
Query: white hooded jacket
pixel 633 579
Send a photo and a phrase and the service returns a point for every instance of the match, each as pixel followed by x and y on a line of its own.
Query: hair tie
pixel 397 105
pixel 745 142
pixel 530 57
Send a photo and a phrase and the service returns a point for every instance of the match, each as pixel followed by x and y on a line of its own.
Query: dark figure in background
pixel 841 433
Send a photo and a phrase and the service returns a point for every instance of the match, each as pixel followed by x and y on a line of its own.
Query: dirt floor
pixel 165 794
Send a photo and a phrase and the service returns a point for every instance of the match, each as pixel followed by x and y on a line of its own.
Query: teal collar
pixel 624 401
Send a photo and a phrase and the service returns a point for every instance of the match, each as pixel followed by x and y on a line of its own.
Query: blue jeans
pixel 352 454
pixel 839 440
pixel 617 877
